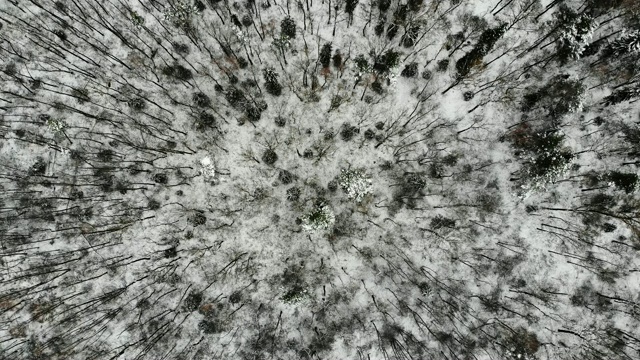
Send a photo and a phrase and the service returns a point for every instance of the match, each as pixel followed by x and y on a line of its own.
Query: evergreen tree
pixel 385 62
pixel 355 183
pixel 288 27
pixel 349 8
pixel 383 5
pixel 415 5
pixel 362 64
pixel 320 218
pixel 410 70
pixel 485 43
pixel 621 95
pixel 488 39
pixel 629 43
pixel 574 33
pixel 272 85
pixel 624 181
pixel 325 55
pixel 180 14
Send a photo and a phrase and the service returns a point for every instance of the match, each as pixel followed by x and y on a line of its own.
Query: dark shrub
pixel 522 345
pixel 337 59
pixel 548 157
pixel 235 297
pixel 308 154
pixel 376 86
pixel 247 21
pixel 436 170
pixel 39 167
pixel 328 135
pixel 578 25
pixel 236 98
pixel 209 327
pixel 294 293
pixel 181 48
pixel 410 37
pixel 242 62
pixel 470 60
pixel 400 15
pixel 602 202
pixel 350 6
pixel 392 30
pixel 409 71
pixel 35 84
pixel 325 55
pixel 269 157
pixel 489 38
pixel 285 177
pixel 288 27
pixel 137 104
pixel 383 5
pixel 443 65
pixel 153 204
pixel 559 96
pixel 272 85
pixel 192 301
pixel 332 185
pixel 205 121
pixel 386 62
pixel 625 181
pixel 201 100
pixel 261 105
pixel 413 182
pixel 348 132
pixel 450 159
pixel 171 252
pixel 105 155
pixel 293 193
pixel 361 63
pixel 598 120
pixel 10 69
pixel 197 219
pixel 178 72
pixel 160 178
pixel 488 202
pixel 530 100
pixel 82 95
pixel 587 296
pixel 236 21
pixel 369 134
pixel 468 95
pixel 280 121
pixel 60 34
pixel 199 5
pixel 134 169
pixel 415 5
pixel 253 113
pixel 273 88
pixel 440 221
pixel 549 163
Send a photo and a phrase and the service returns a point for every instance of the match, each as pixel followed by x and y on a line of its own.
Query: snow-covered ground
pixel 186 180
